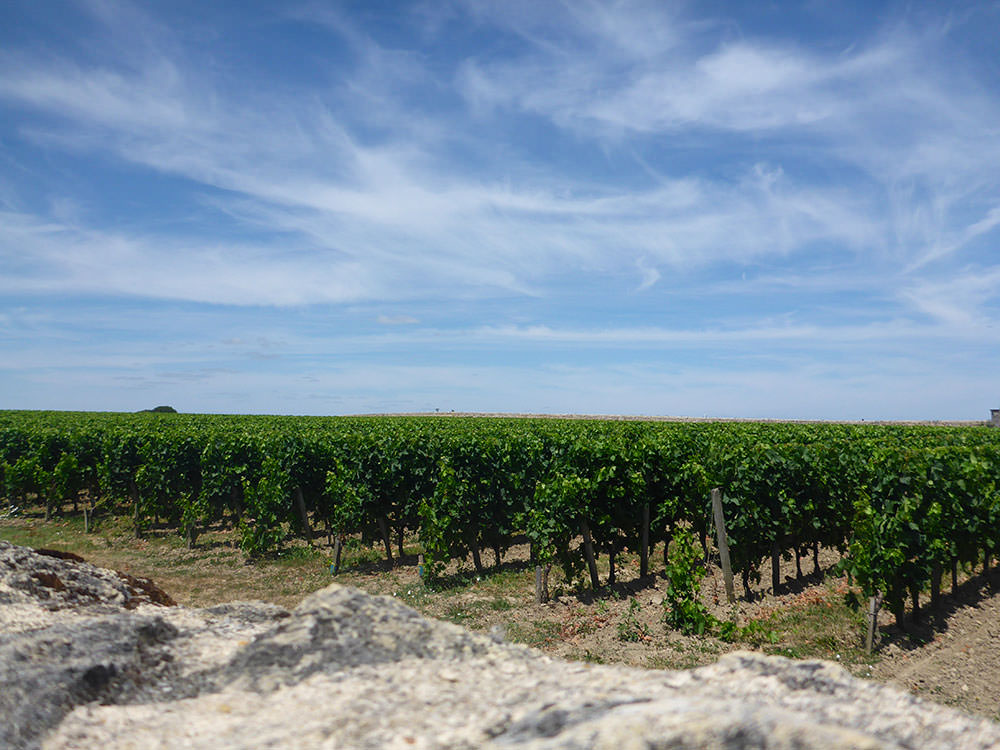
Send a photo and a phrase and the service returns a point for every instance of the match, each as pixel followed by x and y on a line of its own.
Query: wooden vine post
pixel 644 543
pixel 383 529
pixel 588 551
pixel 133 491
pixel 775 567
pixel 874 604
pixel 936 574
pixel 539 593
pixel 300 506
pixel 720 531
pixel 338 546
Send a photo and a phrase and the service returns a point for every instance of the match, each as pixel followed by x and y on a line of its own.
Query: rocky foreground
pixel 93 658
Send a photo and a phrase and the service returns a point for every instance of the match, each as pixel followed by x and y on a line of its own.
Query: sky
pixel 722 209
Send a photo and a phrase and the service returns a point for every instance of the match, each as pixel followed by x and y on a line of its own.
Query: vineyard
pixel 906 505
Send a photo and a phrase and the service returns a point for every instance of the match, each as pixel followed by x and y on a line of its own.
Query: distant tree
pixel 159 410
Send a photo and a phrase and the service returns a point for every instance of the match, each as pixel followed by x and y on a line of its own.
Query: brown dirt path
pixel 960 665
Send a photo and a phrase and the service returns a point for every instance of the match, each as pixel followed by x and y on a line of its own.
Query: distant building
pixel 995 417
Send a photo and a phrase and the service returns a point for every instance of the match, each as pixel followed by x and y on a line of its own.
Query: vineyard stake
pixel 538 585
pixel 873 607
pixel 588 550
pixel 644 543
pixel 775 567
pixel 383 529
pixel 133 491
pixel 336 553
pixel 300 505
pixel 720 531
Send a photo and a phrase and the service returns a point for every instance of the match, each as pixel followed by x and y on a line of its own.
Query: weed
pixel 592 658
pixel 630 629
pixel 819 628
pixel 537 634
pixel 413 596
pixel 683 609
pixel 290 555
pixel 457 614
pixel 356 554
pixel 754 632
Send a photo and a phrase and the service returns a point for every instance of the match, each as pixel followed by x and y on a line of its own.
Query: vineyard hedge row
pixel 904 503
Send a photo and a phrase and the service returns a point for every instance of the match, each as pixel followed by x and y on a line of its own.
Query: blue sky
pixel 702 209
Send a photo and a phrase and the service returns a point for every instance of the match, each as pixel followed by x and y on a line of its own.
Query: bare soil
pixel 952 657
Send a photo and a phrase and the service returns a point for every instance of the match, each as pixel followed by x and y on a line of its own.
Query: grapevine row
pixel 905 504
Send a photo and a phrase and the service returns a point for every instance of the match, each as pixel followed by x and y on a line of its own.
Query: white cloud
pixel 50 258
pixel 396 320
pixel 650 275
pixel 945 246
pixel 960 300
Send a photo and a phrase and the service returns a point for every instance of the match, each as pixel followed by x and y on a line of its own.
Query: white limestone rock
pixel 345 669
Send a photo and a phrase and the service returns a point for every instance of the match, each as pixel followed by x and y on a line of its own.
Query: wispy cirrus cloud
pixel 299 169
pixel 56 258
pixel 891 115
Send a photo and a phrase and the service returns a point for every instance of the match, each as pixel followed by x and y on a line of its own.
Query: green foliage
pixel 345 501
pixel 903 502
pixel 441 521
pixel 268 501
pixel 552 520
pixel 682 609
pixel 195 512
pixel 754 632
pixel 631 629
pixel 24 477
